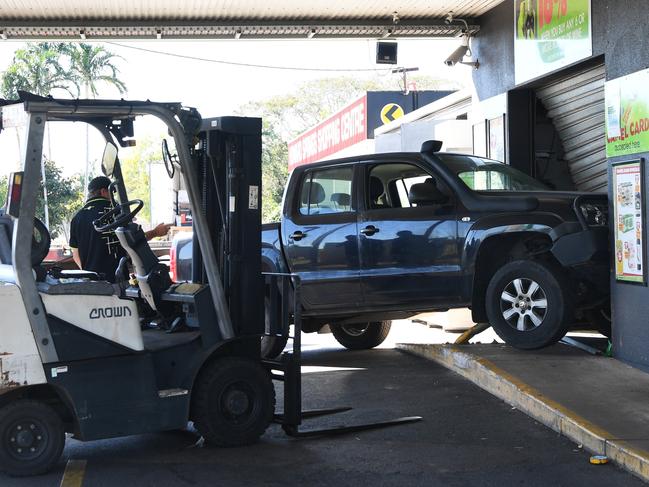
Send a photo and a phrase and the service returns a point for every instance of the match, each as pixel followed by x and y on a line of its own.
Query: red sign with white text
pixel 344 129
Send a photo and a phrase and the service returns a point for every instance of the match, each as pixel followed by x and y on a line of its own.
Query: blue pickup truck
pixel 386 236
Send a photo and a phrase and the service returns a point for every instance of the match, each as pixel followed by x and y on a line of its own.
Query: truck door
pixel 320 235
pixel 408 237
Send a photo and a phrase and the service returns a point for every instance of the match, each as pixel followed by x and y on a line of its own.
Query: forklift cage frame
pixel 34 113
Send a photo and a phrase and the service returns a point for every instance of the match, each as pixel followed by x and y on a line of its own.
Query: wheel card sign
pixel 628 203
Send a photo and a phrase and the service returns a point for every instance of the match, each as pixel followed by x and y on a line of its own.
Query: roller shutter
pixel 575 103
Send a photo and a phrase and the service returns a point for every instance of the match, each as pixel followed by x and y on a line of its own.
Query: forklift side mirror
pixel 109 158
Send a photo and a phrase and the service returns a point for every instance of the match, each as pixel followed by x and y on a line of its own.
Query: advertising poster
pixel 497 139
pixel 628 193
pixel 627 114
pixel 550 34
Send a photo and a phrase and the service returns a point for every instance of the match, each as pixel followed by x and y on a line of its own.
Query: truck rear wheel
pixel 234 402
pixel 528 304
pixel 272 346
pixel 32 438
pixel 361 336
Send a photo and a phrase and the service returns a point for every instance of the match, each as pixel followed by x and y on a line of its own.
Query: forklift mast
pixel 229 172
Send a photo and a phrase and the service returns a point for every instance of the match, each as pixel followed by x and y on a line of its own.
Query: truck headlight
pixel 594 214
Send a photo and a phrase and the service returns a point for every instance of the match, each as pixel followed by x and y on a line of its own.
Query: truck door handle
pixel 297 235
pixel 369 230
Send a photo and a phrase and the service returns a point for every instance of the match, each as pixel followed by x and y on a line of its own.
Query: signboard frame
pixel 620 253
pixel 548 36
pixel 627 114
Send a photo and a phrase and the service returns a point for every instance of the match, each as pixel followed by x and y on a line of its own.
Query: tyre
pixel 32 436
pixel 361 336
pixel 271 346
pixel 233 402
pixel 528 304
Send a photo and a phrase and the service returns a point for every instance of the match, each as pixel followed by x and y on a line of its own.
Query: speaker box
pixel 386 52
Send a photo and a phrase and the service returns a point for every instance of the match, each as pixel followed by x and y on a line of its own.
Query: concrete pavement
pixel 467 438
pixel 596 401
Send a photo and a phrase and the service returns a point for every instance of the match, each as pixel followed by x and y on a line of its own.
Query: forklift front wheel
pixel 234 402
pixel 32 436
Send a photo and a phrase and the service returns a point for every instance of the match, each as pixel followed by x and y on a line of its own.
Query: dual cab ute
pixel 386 236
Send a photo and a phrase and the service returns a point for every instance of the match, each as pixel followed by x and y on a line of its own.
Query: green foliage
pixel 65 196
pixel 286 116
pixel 92 64
pixel 39 69
pixel 135 169
pixel 46 66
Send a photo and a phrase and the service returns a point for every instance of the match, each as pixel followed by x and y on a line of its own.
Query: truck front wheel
pixel 528 304
pixel 361 336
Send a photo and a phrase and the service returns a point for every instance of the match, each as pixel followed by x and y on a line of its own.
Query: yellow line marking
pixel 75 470
pixel 616 449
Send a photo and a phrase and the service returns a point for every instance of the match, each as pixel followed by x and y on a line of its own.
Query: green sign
pixel 550 34
pixel 627 115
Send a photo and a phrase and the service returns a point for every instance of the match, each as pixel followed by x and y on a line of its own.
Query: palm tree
pixel 90 66
pixel 38 69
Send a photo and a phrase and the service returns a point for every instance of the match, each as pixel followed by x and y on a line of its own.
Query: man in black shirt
pixel 94 251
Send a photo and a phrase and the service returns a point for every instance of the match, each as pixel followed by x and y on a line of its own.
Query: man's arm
pixel 159 231
pixel 76 257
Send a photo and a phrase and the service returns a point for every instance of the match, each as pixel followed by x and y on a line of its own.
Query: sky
pixel 217 89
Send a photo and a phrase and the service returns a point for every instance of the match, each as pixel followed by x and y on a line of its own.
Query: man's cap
pixel 100 182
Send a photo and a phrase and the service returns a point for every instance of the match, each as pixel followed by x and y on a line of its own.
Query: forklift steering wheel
pixel 168 159
pixel 118 216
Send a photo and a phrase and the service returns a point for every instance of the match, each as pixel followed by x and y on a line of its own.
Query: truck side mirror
pixel 109 158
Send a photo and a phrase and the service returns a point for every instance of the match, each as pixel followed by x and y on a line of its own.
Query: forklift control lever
pixel 118 216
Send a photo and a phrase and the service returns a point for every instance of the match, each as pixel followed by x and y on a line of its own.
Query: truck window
pixel 389 185
pixel 327 191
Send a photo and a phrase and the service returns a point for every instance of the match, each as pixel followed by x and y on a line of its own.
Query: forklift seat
pixel 82 287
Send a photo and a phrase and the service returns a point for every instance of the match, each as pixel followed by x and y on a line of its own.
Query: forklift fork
pixel 288 368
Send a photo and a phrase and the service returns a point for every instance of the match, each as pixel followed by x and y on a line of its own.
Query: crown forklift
pixel 74 356
pixel 81 355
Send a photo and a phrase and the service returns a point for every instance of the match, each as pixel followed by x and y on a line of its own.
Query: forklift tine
pixel 294 432
pixel 279 418
pixel 314 413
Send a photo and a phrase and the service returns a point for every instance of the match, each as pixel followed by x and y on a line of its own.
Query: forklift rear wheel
pixel 361 336
pixel 32 436
pixel 234 402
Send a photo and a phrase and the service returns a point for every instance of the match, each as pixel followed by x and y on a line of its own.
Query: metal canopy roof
pixel 177 19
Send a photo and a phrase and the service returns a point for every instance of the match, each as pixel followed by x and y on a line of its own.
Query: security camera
pixel 456 56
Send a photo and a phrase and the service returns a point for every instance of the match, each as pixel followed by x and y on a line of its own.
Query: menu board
pixel 628 201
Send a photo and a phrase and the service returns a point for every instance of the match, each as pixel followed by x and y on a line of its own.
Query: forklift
pixel 99 359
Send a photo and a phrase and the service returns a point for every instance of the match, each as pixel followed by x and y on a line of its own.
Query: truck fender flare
pixel 477 237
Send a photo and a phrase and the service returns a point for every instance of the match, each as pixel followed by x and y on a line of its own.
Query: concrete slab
pixel 594 400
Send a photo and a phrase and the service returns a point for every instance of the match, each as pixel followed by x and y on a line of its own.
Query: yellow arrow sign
pixel 391 112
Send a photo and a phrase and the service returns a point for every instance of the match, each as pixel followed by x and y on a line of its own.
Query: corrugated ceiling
pixel 224 18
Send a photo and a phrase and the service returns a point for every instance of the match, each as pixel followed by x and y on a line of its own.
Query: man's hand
pixel 160 230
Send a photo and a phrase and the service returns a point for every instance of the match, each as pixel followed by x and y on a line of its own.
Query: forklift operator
pixel 94 251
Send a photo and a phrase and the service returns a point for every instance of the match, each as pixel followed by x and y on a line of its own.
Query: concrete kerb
pixel 510 389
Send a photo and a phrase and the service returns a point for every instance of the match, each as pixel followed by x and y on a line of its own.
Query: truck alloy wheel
pixel 32 438
pixel 361 336
pixel 529 303
pixel 523 304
